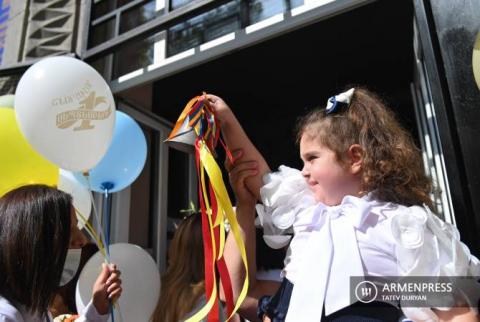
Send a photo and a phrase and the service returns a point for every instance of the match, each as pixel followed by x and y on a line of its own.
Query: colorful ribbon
pixel 215 206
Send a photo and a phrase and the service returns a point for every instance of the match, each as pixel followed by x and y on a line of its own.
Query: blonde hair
pixel 392 166
pixel 183 283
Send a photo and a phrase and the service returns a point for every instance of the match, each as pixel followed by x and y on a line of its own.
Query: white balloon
pixel 66 111
pixel 82 201
pixel 476 60
pixel 140 282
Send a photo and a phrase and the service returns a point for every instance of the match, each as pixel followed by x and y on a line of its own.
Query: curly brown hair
pixel 392 165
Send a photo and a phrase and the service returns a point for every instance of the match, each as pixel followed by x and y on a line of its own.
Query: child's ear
pixel 355 155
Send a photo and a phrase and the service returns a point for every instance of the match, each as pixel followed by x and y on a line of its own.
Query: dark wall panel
pixel 456 25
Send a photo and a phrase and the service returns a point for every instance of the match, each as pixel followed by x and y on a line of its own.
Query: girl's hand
pixel 238 171
pixel 107 288
pixel 222 111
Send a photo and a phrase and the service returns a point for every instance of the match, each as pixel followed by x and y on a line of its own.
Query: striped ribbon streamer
pixel 215 206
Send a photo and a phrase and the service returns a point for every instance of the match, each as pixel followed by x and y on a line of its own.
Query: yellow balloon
pixel 19 163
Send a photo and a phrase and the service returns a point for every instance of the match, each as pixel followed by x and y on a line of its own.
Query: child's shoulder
pixel 284 182
pixel 404 218
pixel 427 245
pixel 286 188
pixel 414 227
pixel 8 312
pixel 390 210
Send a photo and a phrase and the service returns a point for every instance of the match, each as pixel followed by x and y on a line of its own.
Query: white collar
pixel 331 258
pixel 356 209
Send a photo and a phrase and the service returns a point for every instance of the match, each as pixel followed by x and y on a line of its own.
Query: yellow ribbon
pixel 208 164
pixel 92 232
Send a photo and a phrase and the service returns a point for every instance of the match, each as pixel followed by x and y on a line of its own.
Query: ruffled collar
pixel 356 209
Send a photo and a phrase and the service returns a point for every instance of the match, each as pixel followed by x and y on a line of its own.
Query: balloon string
pixel 106 219
pixel 111 311
pixel 95 213
pixel 106 224
pixel 93 234
pixel 103 250
pixel 91 231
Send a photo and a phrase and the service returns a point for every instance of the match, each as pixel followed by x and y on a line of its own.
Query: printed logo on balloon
pixel 85 112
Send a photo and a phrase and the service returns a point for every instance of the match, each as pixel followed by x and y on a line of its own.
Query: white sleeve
pixel 90 314
pixel 6 318
pixel 284 195
pixel 428 246
pixel 9 318
pixel 9 313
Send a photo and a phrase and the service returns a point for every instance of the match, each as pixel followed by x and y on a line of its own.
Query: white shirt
pixel 359 237
pixel 10 313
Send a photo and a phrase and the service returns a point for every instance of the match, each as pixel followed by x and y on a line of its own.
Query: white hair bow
pixel 332 103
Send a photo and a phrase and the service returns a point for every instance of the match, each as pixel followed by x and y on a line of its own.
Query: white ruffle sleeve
pixel 90 314
pixel 428 246
pixel 285 194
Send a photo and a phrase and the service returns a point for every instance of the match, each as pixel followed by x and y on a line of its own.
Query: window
pixel 101 33
pixel 296 3
pixel 134 55
pixel 139 15
pixel 101 65
pixel 121 3
pixel 262 9
pixel 175 4
pixel 203 28
pixel 102 7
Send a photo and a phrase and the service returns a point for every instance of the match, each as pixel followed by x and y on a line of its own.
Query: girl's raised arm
pixel 236 139
pixel 239 172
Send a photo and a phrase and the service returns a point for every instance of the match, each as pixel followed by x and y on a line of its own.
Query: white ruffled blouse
pixel 359 237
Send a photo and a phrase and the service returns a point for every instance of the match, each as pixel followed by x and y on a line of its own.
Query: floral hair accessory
pixel 342 98
pixel 190 211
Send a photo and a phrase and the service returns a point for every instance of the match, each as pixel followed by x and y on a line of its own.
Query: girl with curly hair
pixel 359 207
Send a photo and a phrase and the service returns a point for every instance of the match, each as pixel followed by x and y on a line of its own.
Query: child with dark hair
pixel 359 207
pixel 37 227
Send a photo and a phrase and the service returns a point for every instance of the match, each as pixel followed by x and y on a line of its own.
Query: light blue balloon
pixel 124 160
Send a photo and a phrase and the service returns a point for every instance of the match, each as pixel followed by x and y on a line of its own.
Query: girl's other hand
pixel 107 288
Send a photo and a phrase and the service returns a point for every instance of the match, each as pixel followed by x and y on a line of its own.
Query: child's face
pixel 329 180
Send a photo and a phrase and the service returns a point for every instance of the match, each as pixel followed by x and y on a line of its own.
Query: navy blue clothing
pixel 276 308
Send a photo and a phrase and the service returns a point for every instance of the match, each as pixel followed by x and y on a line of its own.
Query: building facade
pixel 30 30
